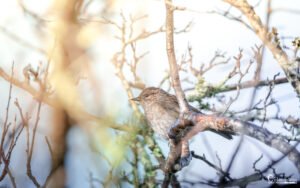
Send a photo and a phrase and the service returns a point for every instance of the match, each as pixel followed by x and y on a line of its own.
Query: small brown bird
pixel 162 111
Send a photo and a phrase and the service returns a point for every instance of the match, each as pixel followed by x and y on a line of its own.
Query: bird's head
pixel 150 95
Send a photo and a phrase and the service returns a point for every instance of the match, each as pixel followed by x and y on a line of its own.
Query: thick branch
pixel 263 135
pixel 183 105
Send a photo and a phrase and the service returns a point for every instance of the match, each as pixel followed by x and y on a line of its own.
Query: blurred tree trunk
pixel 68 60
pixel 58 140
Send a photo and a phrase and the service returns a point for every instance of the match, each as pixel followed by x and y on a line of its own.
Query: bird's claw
pixel 176 130
pixel 180 127
pixel 185 160
pixel 171 133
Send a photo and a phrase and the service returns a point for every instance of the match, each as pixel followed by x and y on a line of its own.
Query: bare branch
pixel 270 40
pixel 220 170
pixel 30 147
pixel 172 58
pixel 263 135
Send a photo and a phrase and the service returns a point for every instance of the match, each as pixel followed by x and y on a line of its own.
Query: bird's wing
pixel 173 98
pixel 176 111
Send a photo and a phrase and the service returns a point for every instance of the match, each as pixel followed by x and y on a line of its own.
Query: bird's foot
pixel 175 130
pixel 181 126
pixel 183 161
pixel 178 131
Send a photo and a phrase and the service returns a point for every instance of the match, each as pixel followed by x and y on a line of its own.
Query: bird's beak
pixel 137 99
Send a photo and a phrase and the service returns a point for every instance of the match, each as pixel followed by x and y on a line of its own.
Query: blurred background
pixel 69 67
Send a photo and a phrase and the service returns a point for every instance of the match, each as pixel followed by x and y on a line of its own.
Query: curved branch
pixel 278 142
pixel 172 58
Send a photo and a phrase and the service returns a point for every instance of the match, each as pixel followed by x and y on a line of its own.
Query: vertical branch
pixel 233 157
pixel 135 165
pixel 7 109
pixel 259 53
pixel 12 179
pixel 183 105
pixel 14 139
pixel 30 147
pixel 5 128
pixel 172 58
pixel 53 167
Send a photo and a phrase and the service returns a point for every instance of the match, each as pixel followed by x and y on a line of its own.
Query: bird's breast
pixel 160 119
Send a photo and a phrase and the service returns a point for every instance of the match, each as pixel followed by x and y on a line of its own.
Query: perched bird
pixel 161 111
